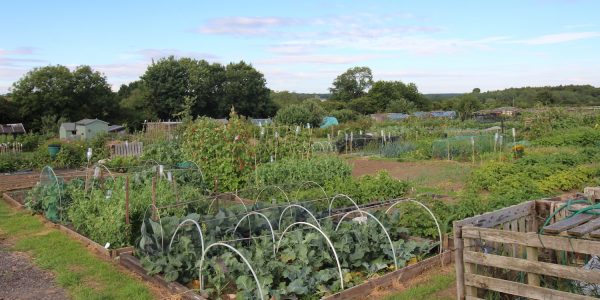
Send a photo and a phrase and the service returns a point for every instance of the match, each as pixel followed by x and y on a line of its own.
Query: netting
pixel 469 147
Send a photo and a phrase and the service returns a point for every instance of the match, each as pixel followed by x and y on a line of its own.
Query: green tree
pixel 187 86
pixel 308 111
pixel 167 82
pixel 465 105
pixel 245 89
pixel 133 99
pixel 8 110
pixel 353 83
pixel 56 91
pixel 400 106
pixel 364 105
pixel 545 97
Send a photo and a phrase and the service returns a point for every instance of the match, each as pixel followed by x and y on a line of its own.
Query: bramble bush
pixel 319 169
pixel 368 188
pixel 224 152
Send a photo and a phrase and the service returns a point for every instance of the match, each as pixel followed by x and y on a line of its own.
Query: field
pixel 261 212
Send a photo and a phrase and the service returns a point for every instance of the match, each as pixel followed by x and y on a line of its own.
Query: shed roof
pixel 115 128
pixel 12 128
pixel 68 126
pixel 85 122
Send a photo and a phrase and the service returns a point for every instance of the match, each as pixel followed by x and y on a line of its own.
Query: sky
pixel 301 46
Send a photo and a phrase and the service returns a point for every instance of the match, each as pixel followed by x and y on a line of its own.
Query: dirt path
pixel 17 181
pixel 447 176
pixel 20 279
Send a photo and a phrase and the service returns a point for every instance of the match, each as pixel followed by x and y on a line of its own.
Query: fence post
pixel 127 200
pixel 458 257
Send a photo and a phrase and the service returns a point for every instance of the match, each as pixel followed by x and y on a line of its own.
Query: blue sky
pixel 442 46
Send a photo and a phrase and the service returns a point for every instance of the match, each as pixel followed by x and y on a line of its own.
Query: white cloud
pixel 557 38
pixel 243 26
pixel 318 59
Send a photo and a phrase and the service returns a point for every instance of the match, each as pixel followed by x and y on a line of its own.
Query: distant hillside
pixel 285 98
pixel 564 95
pixel 440 97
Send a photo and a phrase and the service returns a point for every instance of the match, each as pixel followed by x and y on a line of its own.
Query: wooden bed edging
pixel 109 253
pixel 12 202
pixel 133 264
pixel 363 290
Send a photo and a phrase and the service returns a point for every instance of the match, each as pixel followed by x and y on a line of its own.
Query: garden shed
pixel 83 129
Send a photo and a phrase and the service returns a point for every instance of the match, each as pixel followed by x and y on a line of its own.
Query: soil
pixel 25 180
pixel 20 279
pixel 448 176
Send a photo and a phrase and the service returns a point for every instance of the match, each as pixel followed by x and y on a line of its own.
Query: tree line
pixel 170 88
pixel 179 88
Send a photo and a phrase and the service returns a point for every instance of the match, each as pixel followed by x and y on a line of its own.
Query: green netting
pixel 48 194
pixel 465 147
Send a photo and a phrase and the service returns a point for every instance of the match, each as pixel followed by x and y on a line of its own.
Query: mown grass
pixel 82 274
pixel 428 289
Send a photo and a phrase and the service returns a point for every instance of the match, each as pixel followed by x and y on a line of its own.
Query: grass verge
pixel 430 289
pixel 82 274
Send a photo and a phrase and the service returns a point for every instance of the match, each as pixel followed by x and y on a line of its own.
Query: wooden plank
pixel 473 298
pixel 133 264
pixel 569 223
pixel 533 278
pixel 530 266
pixel 386 281
pixel 470 268
pixel 83 239
pixel 519 289
pixel 12 202
pixel 585 228
pixel 595 234
pixel 495 218
pixel 459 263
pixel 532 239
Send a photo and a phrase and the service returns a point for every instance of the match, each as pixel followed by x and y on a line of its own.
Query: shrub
pixel 580 136
pixel 319 169
pixel 368 188
pixel 344 115
pixel 164 152
pixel 224 152
pixel 301 114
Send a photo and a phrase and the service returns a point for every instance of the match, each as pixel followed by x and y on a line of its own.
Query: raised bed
pixel 109 253
pixel 502 253
pixel 356 292
pixel 133 264
pixel 386 281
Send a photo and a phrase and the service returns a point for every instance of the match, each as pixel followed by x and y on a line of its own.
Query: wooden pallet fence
pixel 503 252
pixel 127 149
pixel 8 148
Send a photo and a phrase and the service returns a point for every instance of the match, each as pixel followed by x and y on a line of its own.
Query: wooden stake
pixel 175 188
pixel 127 200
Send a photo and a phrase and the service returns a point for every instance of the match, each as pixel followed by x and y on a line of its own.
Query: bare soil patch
pixel 447 176
pixel 20 279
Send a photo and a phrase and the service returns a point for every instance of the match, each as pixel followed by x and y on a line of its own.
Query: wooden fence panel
pixel 127 149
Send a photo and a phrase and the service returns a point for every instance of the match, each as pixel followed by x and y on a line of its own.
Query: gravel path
pixel 20 279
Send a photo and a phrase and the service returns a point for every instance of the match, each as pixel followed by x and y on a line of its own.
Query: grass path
pixel 82 274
